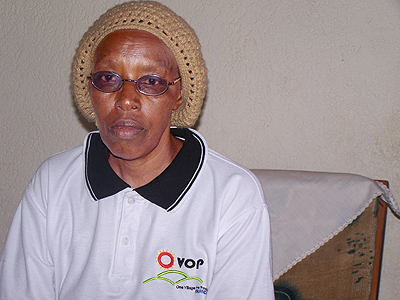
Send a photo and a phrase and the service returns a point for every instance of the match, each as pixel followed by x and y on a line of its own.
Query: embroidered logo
pixel 166 260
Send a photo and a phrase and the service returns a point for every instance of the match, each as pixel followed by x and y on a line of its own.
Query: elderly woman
pixel 143 209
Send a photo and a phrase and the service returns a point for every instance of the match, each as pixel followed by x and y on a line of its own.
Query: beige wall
pixel 308 84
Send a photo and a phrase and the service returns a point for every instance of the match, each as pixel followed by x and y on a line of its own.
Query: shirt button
pixel 125 241
pixel 131 200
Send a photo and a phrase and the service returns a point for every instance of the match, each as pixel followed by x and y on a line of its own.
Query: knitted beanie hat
pixel 160 21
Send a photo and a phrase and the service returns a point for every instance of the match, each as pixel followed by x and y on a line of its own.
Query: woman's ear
pixel 178 102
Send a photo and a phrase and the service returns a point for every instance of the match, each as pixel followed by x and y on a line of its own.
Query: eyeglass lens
pixel 109 82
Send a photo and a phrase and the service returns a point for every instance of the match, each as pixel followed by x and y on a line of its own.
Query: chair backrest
pixel 327 234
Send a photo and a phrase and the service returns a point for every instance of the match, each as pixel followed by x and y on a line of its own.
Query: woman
pixel 143 209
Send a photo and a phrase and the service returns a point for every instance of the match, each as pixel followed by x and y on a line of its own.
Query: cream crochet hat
pixel 159 20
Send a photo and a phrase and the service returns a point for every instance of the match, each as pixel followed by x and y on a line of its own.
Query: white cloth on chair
pixel 308 208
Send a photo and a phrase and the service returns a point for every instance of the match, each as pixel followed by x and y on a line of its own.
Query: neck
pixel 139 172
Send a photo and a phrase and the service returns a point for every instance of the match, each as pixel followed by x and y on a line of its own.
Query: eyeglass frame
pixel 135 81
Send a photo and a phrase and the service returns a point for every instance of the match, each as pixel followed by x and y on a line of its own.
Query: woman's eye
pixel 108 78
pixel 152 81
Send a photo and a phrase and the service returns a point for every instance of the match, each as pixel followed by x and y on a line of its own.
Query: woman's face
pixel 133 125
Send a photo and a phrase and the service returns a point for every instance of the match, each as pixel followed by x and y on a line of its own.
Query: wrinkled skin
pixel 134 127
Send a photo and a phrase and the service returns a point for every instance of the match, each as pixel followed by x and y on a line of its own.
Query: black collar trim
pixel 166 190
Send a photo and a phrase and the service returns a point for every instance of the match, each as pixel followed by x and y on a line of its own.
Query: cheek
pixel 101 102
pixel 164 110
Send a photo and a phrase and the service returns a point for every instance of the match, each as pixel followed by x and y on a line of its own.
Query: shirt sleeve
pixel 243 264
pixel 26 269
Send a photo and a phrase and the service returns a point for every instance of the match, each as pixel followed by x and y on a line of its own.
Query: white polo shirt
pixel 200 230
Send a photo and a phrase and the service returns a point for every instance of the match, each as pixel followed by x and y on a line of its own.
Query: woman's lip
pixel 125 129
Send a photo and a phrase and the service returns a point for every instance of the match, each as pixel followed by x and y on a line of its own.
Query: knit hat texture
pixel 160 21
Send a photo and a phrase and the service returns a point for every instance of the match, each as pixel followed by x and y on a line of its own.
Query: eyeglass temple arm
pixel 175 81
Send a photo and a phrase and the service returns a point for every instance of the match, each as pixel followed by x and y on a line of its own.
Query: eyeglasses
pixel 149 85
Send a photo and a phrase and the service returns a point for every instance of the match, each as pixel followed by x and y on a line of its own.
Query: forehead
pixel 138 44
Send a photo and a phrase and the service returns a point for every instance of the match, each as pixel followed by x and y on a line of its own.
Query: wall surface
pixel 305 84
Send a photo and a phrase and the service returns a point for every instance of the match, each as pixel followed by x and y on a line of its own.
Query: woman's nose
pixel 129 97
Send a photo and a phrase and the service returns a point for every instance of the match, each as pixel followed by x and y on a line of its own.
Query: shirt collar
pixel 166 190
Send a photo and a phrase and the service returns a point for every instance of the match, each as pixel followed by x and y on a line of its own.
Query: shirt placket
pixel 132 204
